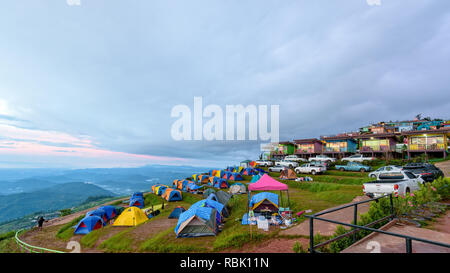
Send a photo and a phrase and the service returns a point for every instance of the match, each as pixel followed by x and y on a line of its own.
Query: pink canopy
pixel 267 183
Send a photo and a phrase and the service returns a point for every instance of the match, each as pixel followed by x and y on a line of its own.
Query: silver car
pixel 385 169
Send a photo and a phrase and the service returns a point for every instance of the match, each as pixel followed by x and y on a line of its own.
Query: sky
pixel 93 84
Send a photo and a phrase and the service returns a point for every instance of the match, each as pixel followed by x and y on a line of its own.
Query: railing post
pixel 408 245
pixel 355 219
pixel 392 206
pixel 311 234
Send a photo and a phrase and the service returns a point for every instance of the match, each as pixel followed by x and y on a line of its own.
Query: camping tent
pixel 175 214
pixel 266 201
pixel 255 178
pixel 98 212
pixel 203 179
pixel 223 197
pixel 211 204
pixel 138 194
pixel 207 192
pixel 249 171
pixel 111 211
pixel 235 176
pixel 288 174
pixel 131 216
pixel 137 201
pixel 238 188
pixel 88 224
pixel 191 186
pixel 220 184
pixel 197 221
pixel 172 195
pixel 214 197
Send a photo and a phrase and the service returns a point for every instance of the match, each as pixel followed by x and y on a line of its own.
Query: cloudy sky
pixel 93 85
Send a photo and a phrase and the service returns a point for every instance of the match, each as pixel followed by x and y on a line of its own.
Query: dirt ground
pixel 445 167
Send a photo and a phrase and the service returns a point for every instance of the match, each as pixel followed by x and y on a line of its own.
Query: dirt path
pixel 325 228
pixel 445 167
pixel 70 217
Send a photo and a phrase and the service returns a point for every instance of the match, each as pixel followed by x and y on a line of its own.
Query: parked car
pixel 357 158
pixel 390 168
pixel 322 158
pixel 286 163
pixel 399 183
pixel 294 158
pixel 310 168
pixel 320 163
pixel 428 172
pixel 353 166
pixel 264 163
pixel 276 169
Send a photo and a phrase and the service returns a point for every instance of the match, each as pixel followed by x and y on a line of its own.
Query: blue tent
pixel 261 170
pixel 137 202
pixel 221 184
pixel 197 221
pixel 100 213
pixel 264 201
pixel 174 195
pixel 138 194
pixel 88 224
pixel 255 178
pixel 211 204
pixel 213 197
pixel 176 212
pixel 111 211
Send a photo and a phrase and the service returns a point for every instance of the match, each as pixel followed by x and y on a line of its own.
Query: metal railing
pixel 356 228
pixel 24 247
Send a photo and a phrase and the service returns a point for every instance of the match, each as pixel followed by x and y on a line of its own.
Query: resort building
pixel 428 142
pixel 283 149
pixel 339 146
pixel 307 147
pixel 377 144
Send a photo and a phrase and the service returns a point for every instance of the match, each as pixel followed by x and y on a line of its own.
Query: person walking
pixel 40 222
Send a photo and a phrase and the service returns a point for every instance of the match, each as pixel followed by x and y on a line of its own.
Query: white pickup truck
pixel 310 168
pixel 294 158
pixel 357 158
pixel 399 183
pixel 264 163
pixel 286 163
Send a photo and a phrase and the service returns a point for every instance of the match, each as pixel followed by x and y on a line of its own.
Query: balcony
pixel 427 147
pixel 376 149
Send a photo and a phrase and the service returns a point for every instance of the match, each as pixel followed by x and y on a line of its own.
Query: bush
pixel 298 248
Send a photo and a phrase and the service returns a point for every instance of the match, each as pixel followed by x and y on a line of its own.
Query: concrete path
pixel 445 167
pixel 389 244
pixel 326 228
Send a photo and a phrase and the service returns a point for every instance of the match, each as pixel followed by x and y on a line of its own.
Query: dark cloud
pixel 114 70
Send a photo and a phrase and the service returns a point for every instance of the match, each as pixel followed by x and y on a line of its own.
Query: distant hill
pixel 24 185
pixel 53 198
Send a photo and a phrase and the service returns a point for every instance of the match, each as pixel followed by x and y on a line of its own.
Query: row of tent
pixel 95 219
pixel 203 217
pixel 169 194
pixel 212 181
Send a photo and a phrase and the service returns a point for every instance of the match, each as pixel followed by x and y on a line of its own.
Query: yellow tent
pixel 240 169
pixel 131 216
pixel 194 176
pixel 217 174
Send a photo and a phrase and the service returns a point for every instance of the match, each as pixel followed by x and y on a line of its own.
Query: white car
pixel 390 168
pixel 286 163
pixel 322 158
pixel 294 158
pixel 310 168
pixel 357 158
pixel 399 183
pixel 276 169
pixel 264 163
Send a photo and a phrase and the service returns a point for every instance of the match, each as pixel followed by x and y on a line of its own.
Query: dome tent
pixel 88 224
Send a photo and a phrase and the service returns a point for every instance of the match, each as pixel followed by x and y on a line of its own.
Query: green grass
pixel 120 242
pixel 90 239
